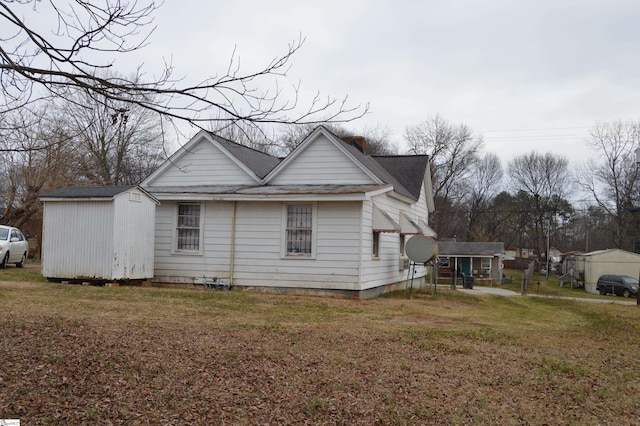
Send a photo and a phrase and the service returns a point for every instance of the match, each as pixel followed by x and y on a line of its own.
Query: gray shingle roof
pixel 469 248
pixel 404 172
pixel 88 191
pixel 408 170
pixel 258 162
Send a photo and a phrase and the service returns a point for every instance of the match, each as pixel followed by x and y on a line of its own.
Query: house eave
pixel 272 193
pixel 402 198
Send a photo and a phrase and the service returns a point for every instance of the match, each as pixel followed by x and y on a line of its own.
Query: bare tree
pixel 254 135
pixel 35 159
pixel 484 185
pixel 453 149
pixel 115 143
pixel 547 180
pixel 614 180
pixel 82 40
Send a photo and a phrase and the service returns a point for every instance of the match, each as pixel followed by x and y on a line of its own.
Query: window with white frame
pixel 299 230
pixel 188 228
pixel 376 244
pixel 485 263
pixel 402 244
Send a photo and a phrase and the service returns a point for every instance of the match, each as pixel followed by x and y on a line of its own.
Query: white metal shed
pixel 98 233
pixel 590 266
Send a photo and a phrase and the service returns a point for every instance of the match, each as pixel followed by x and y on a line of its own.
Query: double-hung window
pixel 299 230
pixel 485 263
pixel 188 228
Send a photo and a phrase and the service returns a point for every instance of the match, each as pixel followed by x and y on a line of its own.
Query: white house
pixel 327 218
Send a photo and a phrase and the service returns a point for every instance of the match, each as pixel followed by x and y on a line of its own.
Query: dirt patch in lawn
pixel 138 356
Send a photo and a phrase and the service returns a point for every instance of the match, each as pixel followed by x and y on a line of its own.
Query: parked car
pixel 620 285
pixel 13 247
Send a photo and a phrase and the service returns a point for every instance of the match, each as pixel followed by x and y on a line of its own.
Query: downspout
pixel 233 243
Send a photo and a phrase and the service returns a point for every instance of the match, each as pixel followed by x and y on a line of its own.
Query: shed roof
pixel 80 192
pixel 448 248
pixel 606 251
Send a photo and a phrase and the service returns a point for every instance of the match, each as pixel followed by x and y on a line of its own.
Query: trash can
pixel 468 282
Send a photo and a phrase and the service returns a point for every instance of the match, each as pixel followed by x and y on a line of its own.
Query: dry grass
pixel 138 355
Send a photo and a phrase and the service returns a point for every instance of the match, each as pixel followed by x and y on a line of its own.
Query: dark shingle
pixel 404 172
pixel 449 248
pixel 88 191
pixel 258 162
pixel 408 170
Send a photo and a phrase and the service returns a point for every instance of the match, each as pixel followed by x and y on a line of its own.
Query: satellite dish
pixel 421 249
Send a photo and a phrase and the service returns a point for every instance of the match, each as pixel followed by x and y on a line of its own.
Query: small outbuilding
pixel 98 233
pixel 481 260
pixel 590 266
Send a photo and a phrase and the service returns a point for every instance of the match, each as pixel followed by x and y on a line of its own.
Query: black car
pixel 620 285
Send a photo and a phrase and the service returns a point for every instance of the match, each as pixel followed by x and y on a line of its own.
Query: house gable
pixel 321 159
pixel 204 160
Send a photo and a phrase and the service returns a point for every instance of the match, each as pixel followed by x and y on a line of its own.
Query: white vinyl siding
pixel 322 163
pixel 215 244
pixel 258 249
pixel 203 164
pixel 383 269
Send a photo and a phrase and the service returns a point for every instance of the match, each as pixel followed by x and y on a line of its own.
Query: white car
pixel 13 247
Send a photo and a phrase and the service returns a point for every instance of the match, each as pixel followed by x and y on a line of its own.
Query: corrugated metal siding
pixel 204 164
pixel 322 163
pixel 618 262
pixel 133 236
pixel 77 239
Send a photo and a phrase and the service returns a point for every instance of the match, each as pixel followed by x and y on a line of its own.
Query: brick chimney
pixel 358 141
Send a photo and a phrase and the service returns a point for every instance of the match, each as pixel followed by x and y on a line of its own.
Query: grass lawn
pixel 74 354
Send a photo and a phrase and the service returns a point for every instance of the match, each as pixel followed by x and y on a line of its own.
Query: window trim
pixel 174 242
pixel 482 265
pixel 375 245
pixel 314 231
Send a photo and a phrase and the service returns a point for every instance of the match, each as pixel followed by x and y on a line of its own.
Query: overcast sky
pixel 527 75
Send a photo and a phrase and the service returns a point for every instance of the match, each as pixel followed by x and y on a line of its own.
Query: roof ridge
pixel 241 145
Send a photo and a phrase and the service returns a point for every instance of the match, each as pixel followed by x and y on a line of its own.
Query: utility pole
pixel 638 292
pixel 548 242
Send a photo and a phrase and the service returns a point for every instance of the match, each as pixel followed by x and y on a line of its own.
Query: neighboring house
pixel 481 260
pixel 327 218
pixel 103 233
pixel 589 266
pixel 568 273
